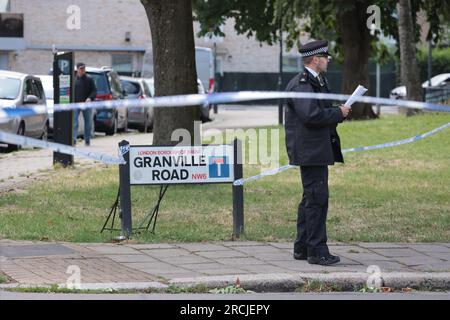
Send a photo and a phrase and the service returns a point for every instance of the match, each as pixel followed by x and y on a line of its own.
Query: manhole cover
pixel 14 251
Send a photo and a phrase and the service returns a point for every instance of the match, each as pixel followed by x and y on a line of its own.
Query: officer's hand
pixel 345 110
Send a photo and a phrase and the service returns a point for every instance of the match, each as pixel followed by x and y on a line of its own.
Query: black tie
pixel 321 80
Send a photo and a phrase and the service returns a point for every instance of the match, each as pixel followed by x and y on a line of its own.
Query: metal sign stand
pixel 123 199
pixel 154 213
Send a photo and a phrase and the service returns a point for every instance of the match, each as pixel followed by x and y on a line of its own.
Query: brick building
pixel 113 33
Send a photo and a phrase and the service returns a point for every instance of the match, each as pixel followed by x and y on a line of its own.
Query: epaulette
pixel 303 78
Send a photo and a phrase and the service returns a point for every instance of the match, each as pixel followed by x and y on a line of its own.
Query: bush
pixel 440 62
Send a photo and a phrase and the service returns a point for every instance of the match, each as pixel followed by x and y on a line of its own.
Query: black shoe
pixel 324 260
pixel 300 256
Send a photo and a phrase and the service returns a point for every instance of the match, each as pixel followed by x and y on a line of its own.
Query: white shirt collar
pixel 315 74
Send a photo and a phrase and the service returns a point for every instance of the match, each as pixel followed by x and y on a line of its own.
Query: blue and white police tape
pixel 178 101
pixel 214 98
pixel 241 182
pixel 31 142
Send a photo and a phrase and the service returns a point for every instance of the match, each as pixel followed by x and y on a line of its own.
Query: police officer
pixel 312 143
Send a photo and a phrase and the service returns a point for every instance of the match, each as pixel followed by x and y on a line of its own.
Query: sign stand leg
pixel 155 211
pixel 238 192
pixel 125 190
pixel 113 212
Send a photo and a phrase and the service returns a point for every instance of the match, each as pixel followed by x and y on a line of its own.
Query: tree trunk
pixel 409 70
pixel 174 65
pixel 356 48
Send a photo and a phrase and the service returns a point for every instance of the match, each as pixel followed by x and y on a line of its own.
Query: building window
pixel 292 64
pixel 123 64
pixel 5 5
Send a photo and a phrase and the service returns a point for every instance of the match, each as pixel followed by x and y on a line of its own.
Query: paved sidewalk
pixel 259 266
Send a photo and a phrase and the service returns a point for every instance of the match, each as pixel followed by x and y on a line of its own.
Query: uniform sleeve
pixel 93 92
pixel 311 114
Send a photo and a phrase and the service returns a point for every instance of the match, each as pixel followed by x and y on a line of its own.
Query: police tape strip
pixel 241 182
pixel 214 98
pixel 30 142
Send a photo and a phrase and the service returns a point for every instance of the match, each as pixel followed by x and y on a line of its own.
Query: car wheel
pixel 143 127
pixel 113 130
pixel 125 128
pixel 150 125
pixel 44 135
pixel 20 132
pixel 146 125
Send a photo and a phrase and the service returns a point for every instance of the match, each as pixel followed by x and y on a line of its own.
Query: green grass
pixel 394 194
pixel 3 278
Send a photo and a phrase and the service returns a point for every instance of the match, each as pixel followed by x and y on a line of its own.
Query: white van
pixel 204 60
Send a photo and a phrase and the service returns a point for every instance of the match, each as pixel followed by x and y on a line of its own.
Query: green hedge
pixel 440 62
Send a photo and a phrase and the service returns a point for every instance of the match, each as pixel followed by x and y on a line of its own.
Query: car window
pixel 101 82
pixel 115 83
pixel 130 87
pixel 28 87
pixel 9 88
pixel 37 89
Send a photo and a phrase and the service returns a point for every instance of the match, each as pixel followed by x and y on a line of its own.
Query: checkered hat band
pixel 313 52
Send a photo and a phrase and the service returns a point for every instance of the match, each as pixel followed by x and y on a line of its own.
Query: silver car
pixel 19 89
pixel 140 118
pixel 204 109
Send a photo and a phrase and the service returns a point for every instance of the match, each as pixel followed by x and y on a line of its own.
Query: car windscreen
pixel 101 82
pixel 9 88
pixel 130 87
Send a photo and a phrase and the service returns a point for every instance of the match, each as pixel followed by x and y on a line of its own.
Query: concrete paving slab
pixel 239 261
pixel 380 245
pixel 222 254
pixel 34 250
pixel 166 253
pixel 113 249
pixel 131 258
pixel 204 266
pixel 418 260
pixel 150 246
pixel 181 260
pixel 396 252
pixel 195 247
pixel 428 248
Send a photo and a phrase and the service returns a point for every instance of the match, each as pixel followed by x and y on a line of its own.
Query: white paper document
pixel 359 91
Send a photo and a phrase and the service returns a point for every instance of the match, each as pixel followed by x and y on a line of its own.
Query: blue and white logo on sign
pixel 219 167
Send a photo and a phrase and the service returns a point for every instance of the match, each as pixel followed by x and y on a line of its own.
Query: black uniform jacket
pixel 310 125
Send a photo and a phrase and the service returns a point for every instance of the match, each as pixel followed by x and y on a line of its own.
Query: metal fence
pixel 438 95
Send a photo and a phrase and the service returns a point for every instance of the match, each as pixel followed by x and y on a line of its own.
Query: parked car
pixel 438 81
pixel 204 61
pixel 140 118
pixel 19 89
pixel 108 87
pixel 47 83
pixel 204 109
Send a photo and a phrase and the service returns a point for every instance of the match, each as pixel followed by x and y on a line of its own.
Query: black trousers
pixel 312 212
